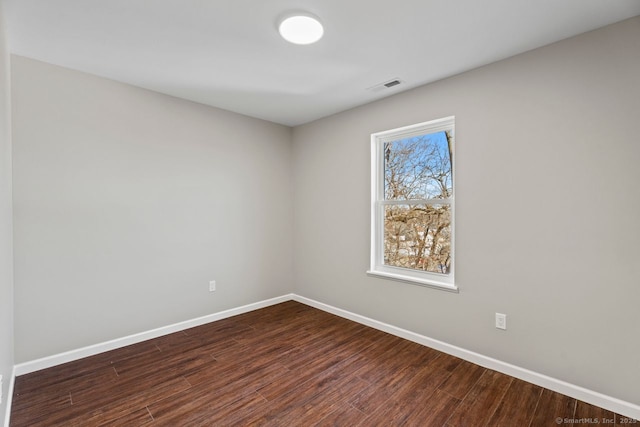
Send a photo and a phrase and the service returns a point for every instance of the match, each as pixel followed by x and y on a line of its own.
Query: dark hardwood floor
pixel 285 365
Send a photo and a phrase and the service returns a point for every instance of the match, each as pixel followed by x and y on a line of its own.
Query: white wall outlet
pixel 212 286
pixel 1 390
pixel 501 321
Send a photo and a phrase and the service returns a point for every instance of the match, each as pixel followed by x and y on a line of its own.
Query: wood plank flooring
pixel 285 365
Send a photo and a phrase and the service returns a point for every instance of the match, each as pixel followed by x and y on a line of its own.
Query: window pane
pixel 418 237
pixel 418 167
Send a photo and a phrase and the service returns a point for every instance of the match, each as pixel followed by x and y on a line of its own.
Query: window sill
pixel 414 280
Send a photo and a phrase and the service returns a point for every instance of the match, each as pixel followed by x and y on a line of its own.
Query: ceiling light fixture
pixel 300 28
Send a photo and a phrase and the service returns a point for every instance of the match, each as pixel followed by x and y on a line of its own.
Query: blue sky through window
pixel 418 168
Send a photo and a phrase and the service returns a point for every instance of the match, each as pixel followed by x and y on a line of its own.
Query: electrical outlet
pixel 212 286
pixel 501 321
pixel 0 389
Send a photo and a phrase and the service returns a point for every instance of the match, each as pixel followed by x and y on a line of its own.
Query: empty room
pixel 319 213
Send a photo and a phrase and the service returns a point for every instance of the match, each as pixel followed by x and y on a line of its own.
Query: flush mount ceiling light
pixel 300 28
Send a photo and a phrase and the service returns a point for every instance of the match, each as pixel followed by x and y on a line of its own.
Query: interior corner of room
pixel 119 206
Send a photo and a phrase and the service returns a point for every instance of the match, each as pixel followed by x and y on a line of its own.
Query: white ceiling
pixel 228 54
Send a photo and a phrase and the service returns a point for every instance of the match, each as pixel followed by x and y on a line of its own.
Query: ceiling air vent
pixel 385 85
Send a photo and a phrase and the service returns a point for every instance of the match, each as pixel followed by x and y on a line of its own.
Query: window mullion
pixel 429 202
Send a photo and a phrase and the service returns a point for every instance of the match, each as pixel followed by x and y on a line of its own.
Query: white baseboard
pixel 70 356
pixel 616 405
pixel 621 407
pixel 7 415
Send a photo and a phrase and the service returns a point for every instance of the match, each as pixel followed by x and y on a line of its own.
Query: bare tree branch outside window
pixel 418 170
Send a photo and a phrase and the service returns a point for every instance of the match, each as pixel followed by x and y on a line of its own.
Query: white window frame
pixel 378 203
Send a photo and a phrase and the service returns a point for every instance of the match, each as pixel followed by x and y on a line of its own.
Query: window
pixel 412 204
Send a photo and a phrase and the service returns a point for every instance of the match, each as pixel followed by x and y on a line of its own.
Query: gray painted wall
pixel 6 259
pixel 127 202
pixel 547 209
